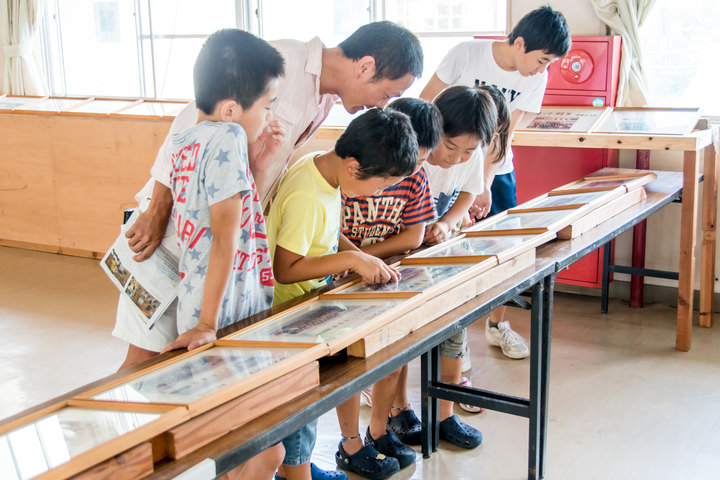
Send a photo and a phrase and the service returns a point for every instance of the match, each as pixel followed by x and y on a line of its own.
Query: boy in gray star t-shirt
pixel 225 262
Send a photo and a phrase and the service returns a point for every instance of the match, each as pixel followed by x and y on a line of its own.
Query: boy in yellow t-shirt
pixel 377 150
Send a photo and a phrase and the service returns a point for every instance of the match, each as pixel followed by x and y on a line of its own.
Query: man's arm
pixel 146 234
pixel 442 229
pixel 431 90
pixel 410 238
pixel 225 219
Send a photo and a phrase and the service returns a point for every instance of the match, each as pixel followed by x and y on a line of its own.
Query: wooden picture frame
pixel 66 438
pixel 100 107
pixel 599 183
pixel 8 103
pixel 524 223
pixel 52 105
pixel 151 109
pixel 335 323
pixel 563 119
pixel 649 121
pixel 209 376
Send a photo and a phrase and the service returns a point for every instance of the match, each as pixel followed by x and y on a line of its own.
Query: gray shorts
pixel 454 347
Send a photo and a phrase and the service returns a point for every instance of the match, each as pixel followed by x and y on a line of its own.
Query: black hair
pixel 383 143
pixel 396 50
pixel 467 110
pixel 543 29
pixel 502 130
pixel 424 117
pixel 234 64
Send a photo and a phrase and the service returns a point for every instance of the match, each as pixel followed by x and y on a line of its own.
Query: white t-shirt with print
pixel 447 183
pixel 472 63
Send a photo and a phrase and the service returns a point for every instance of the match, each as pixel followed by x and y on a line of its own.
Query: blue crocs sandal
pixel 367 462
pixel 390 445
pixel 406 426
pixel 317 473
pixel 459 433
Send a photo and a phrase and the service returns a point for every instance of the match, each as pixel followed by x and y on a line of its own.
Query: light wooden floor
pixel 623 403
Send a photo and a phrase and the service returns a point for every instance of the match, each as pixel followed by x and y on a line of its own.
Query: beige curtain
pixel 625 17
pixel 18 27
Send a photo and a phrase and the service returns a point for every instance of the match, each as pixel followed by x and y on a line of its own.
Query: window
pixel 146 48
pixel 680 48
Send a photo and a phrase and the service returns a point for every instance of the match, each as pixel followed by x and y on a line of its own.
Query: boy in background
pixel 224 264
pixel 383 225
pixel 378 149
pixel 518 68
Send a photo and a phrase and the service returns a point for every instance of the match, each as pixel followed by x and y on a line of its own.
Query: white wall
pixel 2 69
pixel 579 14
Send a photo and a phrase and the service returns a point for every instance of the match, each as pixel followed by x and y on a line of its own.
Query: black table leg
pixel 434 402
pixel 605 279
pixel 425 376
pixel 536 363
pixel 545 367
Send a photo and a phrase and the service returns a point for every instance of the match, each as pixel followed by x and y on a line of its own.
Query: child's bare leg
pixel 262 466
pixel 383 394
pixel 400 401
pixel 136 355
pixel 450 372
pixel 349 418
pixel 294 472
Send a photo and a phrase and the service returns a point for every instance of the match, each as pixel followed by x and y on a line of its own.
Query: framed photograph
pixel 207 378
pixel 151 109
pixel 52 106
pixel 623 182
pixel 523 223
pixel 101 108
pixel 8 104
pixel 650 121
pixel 335 323
pixel 67 440
pixel 413 280
pixel 563 119
pixel 570 201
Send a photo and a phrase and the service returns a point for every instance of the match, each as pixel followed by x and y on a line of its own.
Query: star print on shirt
pixel 194 254
pixel 189 288
pixel 222 157
pixel 201 270
pixel 196 313
pixel 193 213
pixel 212 190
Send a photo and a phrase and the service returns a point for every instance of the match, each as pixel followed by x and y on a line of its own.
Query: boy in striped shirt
pixel 384 225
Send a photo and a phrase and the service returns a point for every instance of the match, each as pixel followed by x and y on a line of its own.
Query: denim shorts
pixel 454 347
pixel 299 445
pixel 503 191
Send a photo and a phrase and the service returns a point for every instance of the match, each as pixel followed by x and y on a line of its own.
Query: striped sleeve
pixel 419 207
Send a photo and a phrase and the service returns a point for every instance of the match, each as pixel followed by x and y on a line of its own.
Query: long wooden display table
pixel 70 166
pixel 698 147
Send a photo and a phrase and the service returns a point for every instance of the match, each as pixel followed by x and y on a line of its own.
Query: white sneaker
pixel 366 397
pixel 511 344
pixel 466 364
pixel 465 382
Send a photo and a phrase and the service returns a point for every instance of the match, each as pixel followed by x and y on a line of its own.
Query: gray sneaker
pixel 511 344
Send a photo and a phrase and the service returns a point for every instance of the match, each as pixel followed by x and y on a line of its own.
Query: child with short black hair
pixel 224 263
pixel 378 149
pixel 390 223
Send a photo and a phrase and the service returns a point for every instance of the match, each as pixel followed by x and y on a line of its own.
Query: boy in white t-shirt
pixel 455 170
pixel 518 68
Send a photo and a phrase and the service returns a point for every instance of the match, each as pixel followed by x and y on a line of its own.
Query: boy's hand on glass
pixel 374 271
pixel 262 151
pixel 481 206
pixel 193 338
pixel 145 235
pixel 436 233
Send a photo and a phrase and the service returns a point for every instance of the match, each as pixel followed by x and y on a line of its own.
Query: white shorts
pixel 131 329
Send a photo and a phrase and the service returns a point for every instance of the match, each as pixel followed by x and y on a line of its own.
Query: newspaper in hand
pixel 151 284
